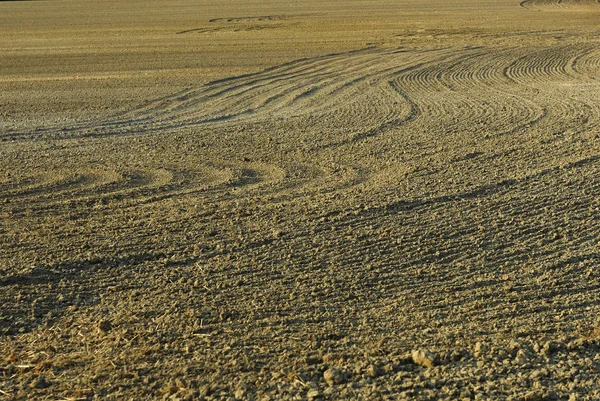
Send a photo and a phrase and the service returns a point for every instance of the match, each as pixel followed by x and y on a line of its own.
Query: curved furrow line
pixel 376 104
pixel 521 66
pixel 237 85
pixel 63 183
pixel 323 88
pixel 308 95
pixel 345 85
pixel 255 95
pixel 567 4
pixel 217 106
pixel 56 183
pixel 577 59
pixel 216 181
pixel 571 113
pixel 470 80
pixel 294 183
pixel 458 80
pixel 482 79
pixel 381 100
pixel 300 94
pixel 223 93
pixel 280 93
pixel 294 67
pixel 451 91
pixel 370 114
pixel 100 186
pixel 420 79
pixel 560 103
pixel 145 115
pixel 402 112
pixel 581 120
pixel 514 111
pixel 447 91
pixel 587 64
pixel 462 75
pixel 424 86
pixel 513 94
pixel 543 65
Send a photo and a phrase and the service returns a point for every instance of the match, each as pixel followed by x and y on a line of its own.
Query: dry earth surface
pixel 258 200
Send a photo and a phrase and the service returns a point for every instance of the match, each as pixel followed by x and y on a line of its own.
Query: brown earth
pixel 299 200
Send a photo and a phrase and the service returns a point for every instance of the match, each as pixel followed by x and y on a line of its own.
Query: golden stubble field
pixel 299 200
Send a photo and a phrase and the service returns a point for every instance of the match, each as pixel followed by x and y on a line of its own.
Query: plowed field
pixel 282 200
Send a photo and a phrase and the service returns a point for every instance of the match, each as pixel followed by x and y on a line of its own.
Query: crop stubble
pixel 286 201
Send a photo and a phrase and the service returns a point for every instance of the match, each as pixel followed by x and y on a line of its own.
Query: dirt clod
pixel 425 358
pixel 334 376
pixel 41 382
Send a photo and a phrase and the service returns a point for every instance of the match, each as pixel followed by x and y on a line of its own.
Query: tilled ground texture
pixel 414 217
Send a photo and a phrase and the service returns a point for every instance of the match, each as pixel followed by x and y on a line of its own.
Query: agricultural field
pixel 263 200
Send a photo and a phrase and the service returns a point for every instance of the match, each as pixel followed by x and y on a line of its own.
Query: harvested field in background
pixel 276 200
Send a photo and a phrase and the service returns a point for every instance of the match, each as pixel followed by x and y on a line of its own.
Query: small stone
pixel 425 358
pixel 312 394
pixel 333 376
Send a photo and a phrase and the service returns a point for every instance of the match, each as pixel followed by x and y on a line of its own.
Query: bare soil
pixel 299 200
